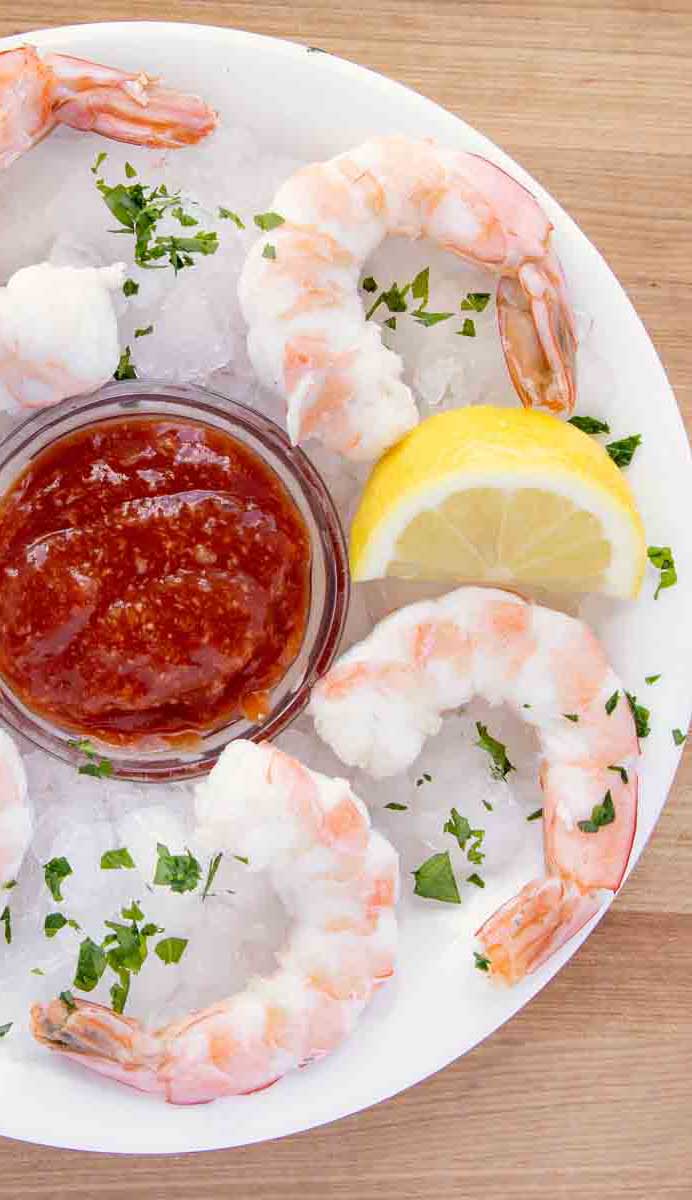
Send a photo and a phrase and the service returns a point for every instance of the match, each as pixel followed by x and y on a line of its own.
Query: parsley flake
pixel 468 328
pixel 571 717
pixel 396 807
pixel 180 872
pixel 268 221
pixel 117 860
pixel 170 950
pixel 589 424
pixel 679 737
pixel 54 922
pixel 100 158
pixel 475 301
pixel 369 284
pixel 211 873
pixel 611 703
pixel 125 368
pixel 424 778
pixel 435 880
pixel 69 1001
pixel 641 716
pixel 661 557
pixel 475 878
pixel 481 961
pixel 130 288
pixel 130 171
pixel 6 920
pixel 651 678
pixel 54 872
pixel 621 771
pixel 5 1029
pixel 601 814
pixel 227 214
pixel 144 332
pixel 622 452
pixel 536 815
pixel 430 318
pixel 90 966
pixel 269 251
pixel 501 766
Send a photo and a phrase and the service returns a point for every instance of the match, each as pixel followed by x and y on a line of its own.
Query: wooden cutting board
pixel 588 1092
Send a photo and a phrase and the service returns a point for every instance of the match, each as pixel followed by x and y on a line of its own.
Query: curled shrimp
pixel 15 813
pixel 58 333
pixel 308 338
pixel 338 878
pixel 387 694
pixel 36 94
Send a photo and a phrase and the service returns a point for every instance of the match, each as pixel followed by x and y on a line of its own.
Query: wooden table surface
pixel 588 1092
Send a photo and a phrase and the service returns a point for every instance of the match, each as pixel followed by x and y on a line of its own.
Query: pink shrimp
pixel 36 94
pixel 300 282
pixel 386 695
pixel 337 877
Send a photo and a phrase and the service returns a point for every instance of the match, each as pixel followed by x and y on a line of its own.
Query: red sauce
pixel 154 580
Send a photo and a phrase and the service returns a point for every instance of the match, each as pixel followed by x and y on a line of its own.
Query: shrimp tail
pixel 538 336
pixel 542 917
pixel 100 1039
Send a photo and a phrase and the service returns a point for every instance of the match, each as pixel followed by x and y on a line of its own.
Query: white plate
pixel 316 105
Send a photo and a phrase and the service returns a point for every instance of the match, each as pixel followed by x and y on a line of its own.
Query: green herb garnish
pixel 184 218
pixel 622 452
pixel 396 807
pixel 641 716
pixel 589 424
pixel 90 966
pixel 117 860
pixel 120 992
pixel 435 880
pixel 100 158
pixel 268 221
pixel 227 214
pixel 133 913
pixel 571 716
pixel 501 766
pixel 481 962
pixel 679 737
pixel 6 920
pixel 468 328
pixel 130 288
pixel 369 284
pixel 390 323
pixel 180 872
pixel 170 950
pixel 144 332
pixel 269 251
pixel 211 873
pixel 54 922
pixel 611 702
pixel 475 301
pixel 69 1001
pixel 651 678
pixel 601 814
pixel 536 815
pixel 430 318
pixel 139 208
pixel 130 171
pixel 460 829
pixel 424 778
pixel 620 771
pixel 125 368
pixel 54 872
pixel 97 767
pixel 475 878
pixel 5 1029
pixel 661 557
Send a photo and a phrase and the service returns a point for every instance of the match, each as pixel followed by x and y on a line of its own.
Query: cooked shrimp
pixel 58 333
pixel 387 694
pixel 308 337
pixel 15 814
pixel 337 877
pixel 36 94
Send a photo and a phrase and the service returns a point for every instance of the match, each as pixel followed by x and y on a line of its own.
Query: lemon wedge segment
pixel 500 496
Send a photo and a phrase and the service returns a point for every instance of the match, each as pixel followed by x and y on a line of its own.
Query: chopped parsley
pixel 211 873
pixel 431 318
pixel 170 950
pixel 100 158
pixel 130 288
pixel 144 332
pixel 500 764
pixel 679 737
pixel 133 913
pixel 69 1001
pixel 125 368
pixel 536 815
pixel 468 328
pixel 661 557
pixel 460 829
pixel 651 678
pixel 589 424
pixel 601 814
pixel 120 992
pixel 95 766
pixel 6 920
pixel 139 208
pixel 227 214
pixel 481 962
pixel 611 703
pixel 475 878
pixel 5 1029
pixel 394 807
pixel 475 302
pixel 180 872
pixel 90 966
pixel 571 716
pixel 117 860
pixel 641 716
pixel 424 778
pixel 130 171
pixel 241 859
pixel 420 287
pixel 622 452
pixel 268 221
pixel 369 284
pixel 54 922
pixel 390 323
pixel 54 872
pixel 620 771
pixel 435 880
pixel 7 887
pixel 269 251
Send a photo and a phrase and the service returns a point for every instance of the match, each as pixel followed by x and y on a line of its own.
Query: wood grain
pixel 588 1092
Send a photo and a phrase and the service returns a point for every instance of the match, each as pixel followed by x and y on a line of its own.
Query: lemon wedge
pixel 500 495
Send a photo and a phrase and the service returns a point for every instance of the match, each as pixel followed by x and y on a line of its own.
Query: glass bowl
pixel 329 583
